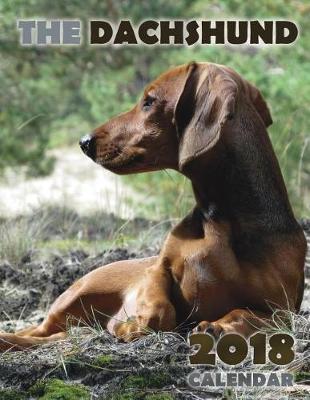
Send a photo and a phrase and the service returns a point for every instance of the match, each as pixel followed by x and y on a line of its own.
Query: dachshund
pixel 239 253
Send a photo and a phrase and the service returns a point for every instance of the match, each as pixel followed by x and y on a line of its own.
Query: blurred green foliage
pixel 51 95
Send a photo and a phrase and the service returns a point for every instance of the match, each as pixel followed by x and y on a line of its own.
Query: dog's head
pixel 181 116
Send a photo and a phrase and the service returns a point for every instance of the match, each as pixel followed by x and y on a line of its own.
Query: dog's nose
pixel 88 145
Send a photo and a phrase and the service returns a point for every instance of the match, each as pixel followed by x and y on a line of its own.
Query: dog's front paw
pixel 213 328
pixel 129 330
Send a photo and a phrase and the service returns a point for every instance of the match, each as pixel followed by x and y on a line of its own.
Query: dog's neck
pixel 240 182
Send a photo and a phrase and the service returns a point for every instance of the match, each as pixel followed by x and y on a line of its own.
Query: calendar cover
pixel 154 200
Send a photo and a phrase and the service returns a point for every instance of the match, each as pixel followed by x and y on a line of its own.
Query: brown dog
pixel 237 255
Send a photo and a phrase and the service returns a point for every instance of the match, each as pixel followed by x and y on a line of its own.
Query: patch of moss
pixel 127 396
pixel 159 396
pixel 302 376
pixel 133 387
pixel 104 360
pixel 155 379
pixel 134 395
pixel 134 381
pixel 7 394
pixel 55 389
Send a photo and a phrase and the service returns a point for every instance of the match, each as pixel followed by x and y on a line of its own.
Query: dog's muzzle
pixel 88 145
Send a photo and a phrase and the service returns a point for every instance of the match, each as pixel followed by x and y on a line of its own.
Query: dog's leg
pixel 11 341
pixel 244 322
pixel 154 310
pixel 93 299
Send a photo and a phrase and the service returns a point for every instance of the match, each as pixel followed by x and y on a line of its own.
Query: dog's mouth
pixel 122 160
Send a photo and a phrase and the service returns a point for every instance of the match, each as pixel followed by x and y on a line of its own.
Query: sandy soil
pixel 76 182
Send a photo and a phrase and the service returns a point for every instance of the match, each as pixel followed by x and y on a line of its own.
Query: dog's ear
pixel 206 103
pixel 259 103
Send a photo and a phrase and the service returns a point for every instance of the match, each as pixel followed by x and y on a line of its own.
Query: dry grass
pixel 18 239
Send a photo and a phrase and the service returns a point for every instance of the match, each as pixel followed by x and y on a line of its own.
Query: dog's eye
pixel 147 103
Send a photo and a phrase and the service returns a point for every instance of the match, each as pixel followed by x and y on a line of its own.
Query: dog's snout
pixel 85 142
pixel 88 145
